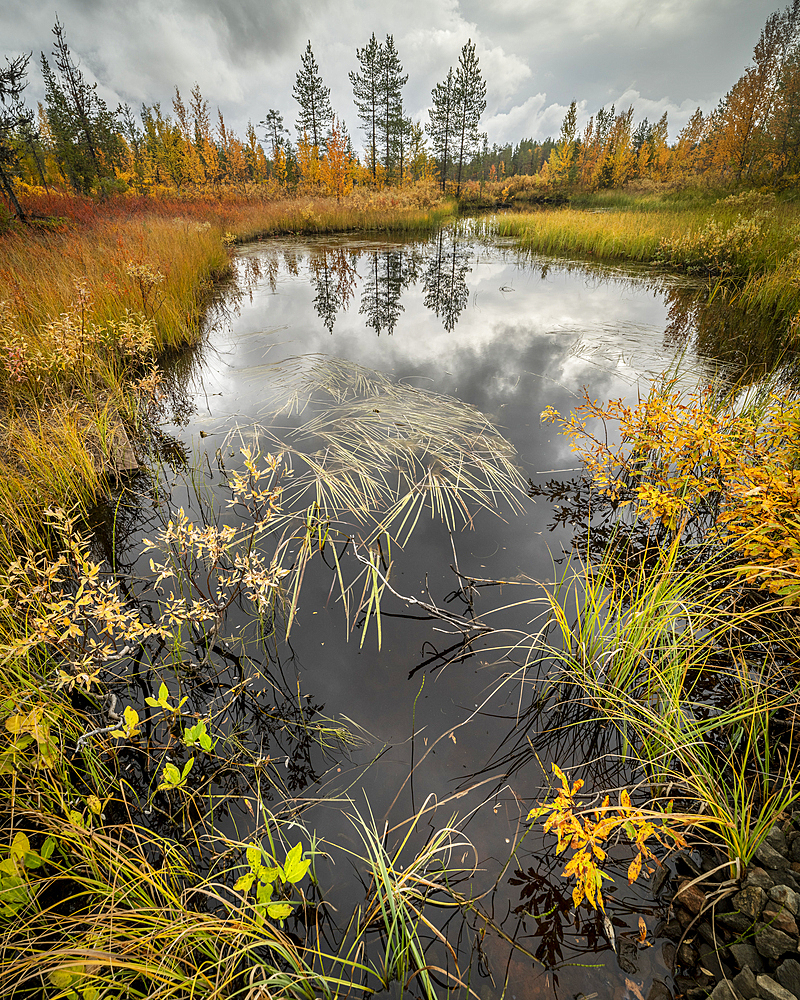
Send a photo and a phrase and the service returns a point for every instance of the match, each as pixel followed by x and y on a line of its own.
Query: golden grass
pixel 749 241
pixel 70 279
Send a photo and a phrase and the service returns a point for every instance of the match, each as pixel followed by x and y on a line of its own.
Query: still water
pixel 491 338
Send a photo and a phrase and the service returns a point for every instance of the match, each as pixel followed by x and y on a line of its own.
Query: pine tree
pixel 441 123
pixel 79 119
pixel 469 104
pixel 12 114
pixel 313 97
pixel 274 128
pixel 367 96
pixel 391 122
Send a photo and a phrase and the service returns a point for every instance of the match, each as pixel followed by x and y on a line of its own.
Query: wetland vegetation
pixel 242 390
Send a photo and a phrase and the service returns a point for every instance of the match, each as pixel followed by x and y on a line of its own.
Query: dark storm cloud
pixel 537 55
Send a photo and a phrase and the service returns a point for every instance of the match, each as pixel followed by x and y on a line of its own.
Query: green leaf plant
pixel 265 877
pixel 173 779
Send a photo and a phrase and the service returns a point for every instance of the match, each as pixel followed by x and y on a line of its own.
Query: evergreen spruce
pixel 313 97
pixel 275 130
pixel 85 132
pixel 12 117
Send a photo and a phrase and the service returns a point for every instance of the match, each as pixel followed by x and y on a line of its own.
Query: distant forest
pixel 74 140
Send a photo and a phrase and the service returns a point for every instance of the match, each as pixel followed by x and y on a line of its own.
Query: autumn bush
pixel 727 467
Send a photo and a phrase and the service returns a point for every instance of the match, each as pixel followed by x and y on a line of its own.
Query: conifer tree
pixel 313 97
pixel 84 130
pixel 12 114
pixel 392 122
pixel 367 96
pixel 441 123
pixel 470 104
pixel 275 130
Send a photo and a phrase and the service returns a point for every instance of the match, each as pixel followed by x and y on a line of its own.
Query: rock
pixel 772 943
pixel 659 991
pixel 794 850
pixel 668 955
pixel 684 917
pixel 770 858
pixel 746 955
pixel 706 932
pixel 777 916
pixel 687 955
pixel 690 897
pixel 659 878
pixel 710 961
pixel 750 901
pixel 724 991
pixel 745 984
pixel 627 954
pixel 788 975
pixel 757 876
pixel 672 929
pixel 737 922
pixel 684 983
pixel 786 897
pixel 696 993
pixel 777 839
pixel 121 456
pixel 770 990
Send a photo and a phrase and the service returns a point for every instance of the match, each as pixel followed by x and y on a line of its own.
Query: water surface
pixel 473 321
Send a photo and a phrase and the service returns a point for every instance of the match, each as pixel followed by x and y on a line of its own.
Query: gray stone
pixel 712 961
pixel 690 897
pixel 688 955
pixel 777 839
pixel 757 876
pixel 659 991
pixel 787 898
pixel 770 990
pixel 659 878
pixel 706 932
pixel 788 975
pixel 746 955
pixel 627 955
pixel 750 901
pixel 724 991
pixel 772 943
pixel 736 922
pixel 794 850
pixel 791 879
pixel 745 984
pixel 770 858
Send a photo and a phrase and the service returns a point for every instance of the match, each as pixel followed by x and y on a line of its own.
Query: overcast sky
pixel 536 55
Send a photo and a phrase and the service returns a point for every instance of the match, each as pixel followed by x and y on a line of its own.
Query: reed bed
pixel 746 245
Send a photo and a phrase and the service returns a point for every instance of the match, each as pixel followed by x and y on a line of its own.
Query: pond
pixel 459 342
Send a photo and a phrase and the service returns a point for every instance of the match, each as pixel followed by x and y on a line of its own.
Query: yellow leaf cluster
pixel 689 457
pixel 585 833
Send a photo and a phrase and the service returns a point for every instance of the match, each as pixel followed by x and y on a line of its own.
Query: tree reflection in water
pixel 444 277
pixel 390 273
pixel 333 276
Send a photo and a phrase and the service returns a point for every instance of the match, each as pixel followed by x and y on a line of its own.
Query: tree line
pixel 74 139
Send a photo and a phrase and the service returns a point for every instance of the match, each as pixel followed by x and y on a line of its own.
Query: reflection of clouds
pixel 512 353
